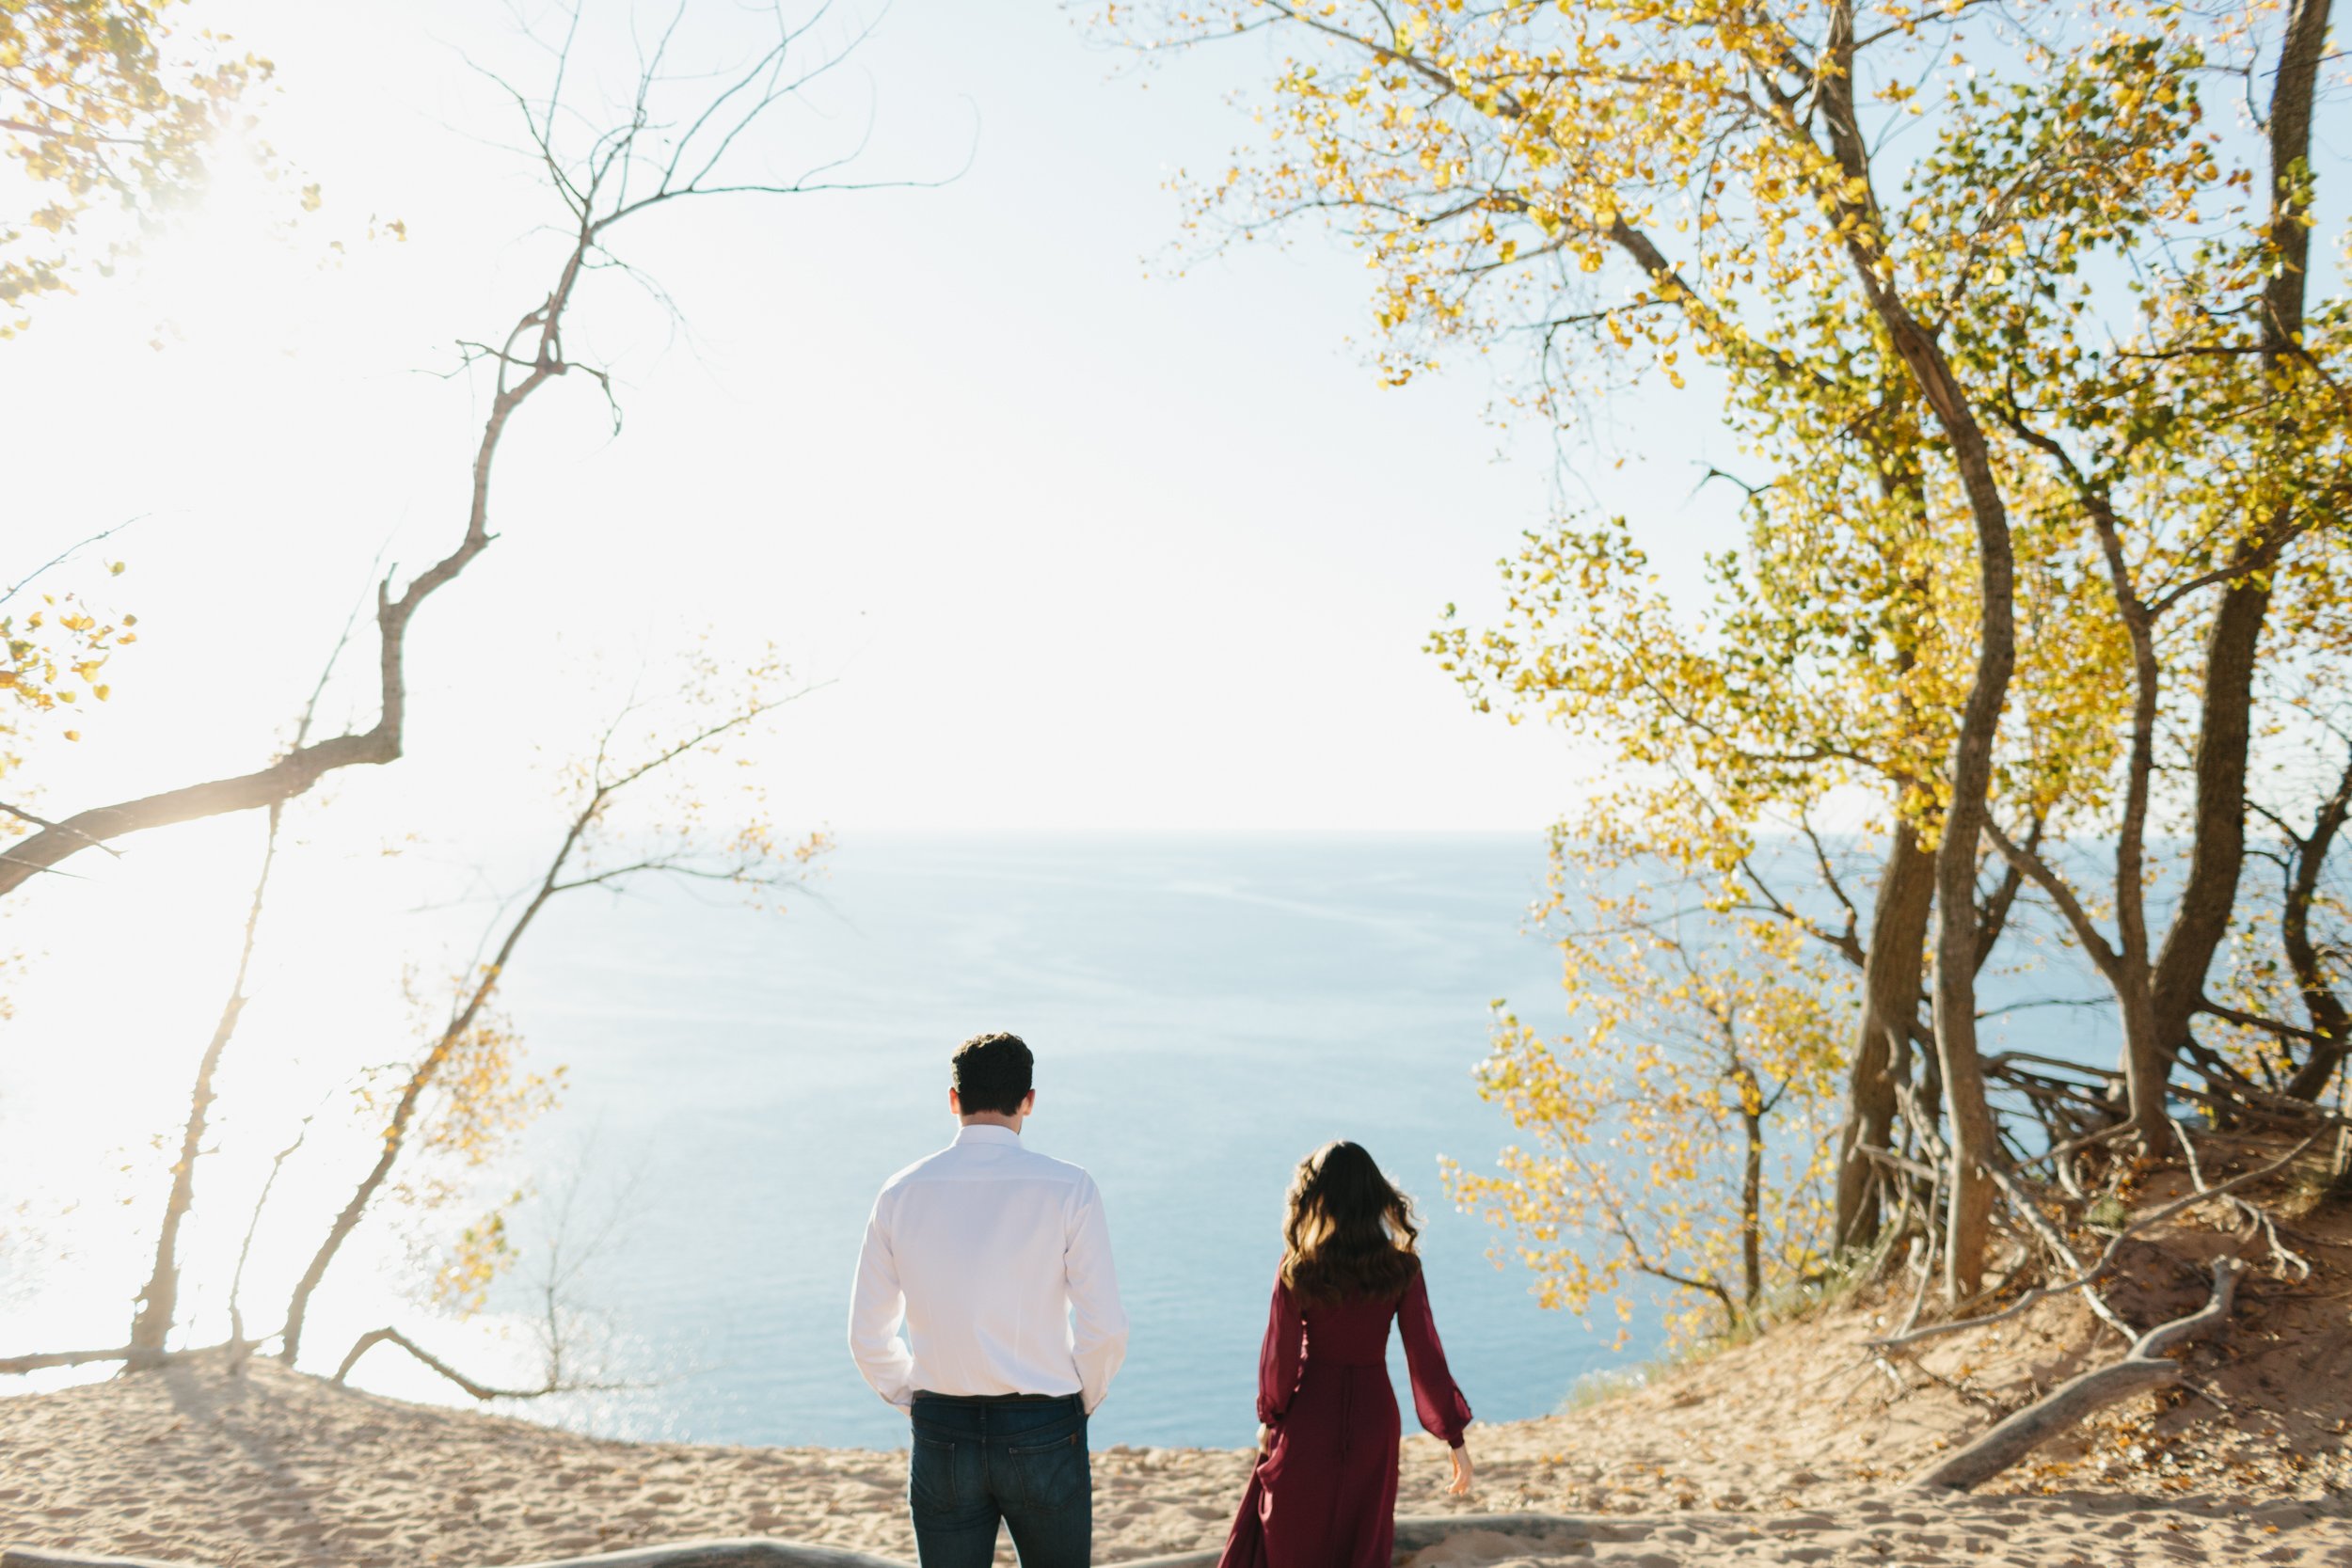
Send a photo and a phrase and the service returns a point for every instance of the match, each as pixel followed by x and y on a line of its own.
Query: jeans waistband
pixel 925 1394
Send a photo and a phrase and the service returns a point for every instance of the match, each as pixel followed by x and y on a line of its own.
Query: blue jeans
pixel 979 1461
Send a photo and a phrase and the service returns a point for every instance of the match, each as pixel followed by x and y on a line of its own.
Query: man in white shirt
pixel 997 1261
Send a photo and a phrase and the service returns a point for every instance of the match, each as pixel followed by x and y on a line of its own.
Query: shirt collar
pixel 982 1133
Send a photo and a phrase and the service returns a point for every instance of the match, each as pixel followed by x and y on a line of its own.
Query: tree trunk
pixel 422 1076
pixel 1975 1144
pixel 396 1137
pixel 1890 1003
pixel 1970 776
pixel 150 1325
pixel 2217 852
pixel 1752 1193
pixel 2217 848
pixel 2147 1066
pixel 2329 1021
pixel 2147 1076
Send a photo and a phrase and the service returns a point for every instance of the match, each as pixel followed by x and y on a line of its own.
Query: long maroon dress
pixel 1325 1495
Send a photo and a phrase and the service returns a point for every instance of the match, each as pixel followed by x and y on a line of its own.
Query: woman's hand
pixel 1460 1486
pixel 1265 1439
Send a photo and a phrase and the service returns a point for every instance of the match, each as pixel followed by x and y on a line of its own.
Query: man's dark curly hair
pixel 992 1073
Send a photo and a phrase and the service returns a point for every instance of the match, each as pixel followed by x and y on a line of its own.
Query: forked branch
pixel 595 186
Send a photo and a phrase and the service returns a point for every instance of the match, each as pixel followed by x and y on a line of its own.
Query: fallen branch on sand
pixel 2142 1368
pixel 1414 1533
pixel 373 1337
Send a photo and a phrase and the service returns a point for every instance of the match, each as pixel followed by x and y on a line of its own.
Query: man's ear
pixel 955 1103
pixel 1028 1103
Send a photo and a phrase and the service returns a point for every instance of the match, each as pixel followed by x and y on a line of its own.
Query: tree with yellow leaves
pixel 109 114
pixel 1655 184
pixel 54 647
pixel 1682 1133
pixel 2201 471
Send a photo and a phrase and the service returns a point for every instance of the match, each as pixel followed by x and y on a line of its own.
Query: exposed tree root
pixel 2085 1277
pixel 2142 1368
pixel 373 1337
pixel 16 1366
pixel 11 1366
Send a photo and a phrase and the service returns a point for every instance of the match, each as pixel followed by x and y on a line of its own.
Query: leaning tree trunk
pixel 1752 1193
pixel 2218 850
pixel 150 1325
pixel 2147 1068
pixel 1975 1150
pixel 1890 1003
pixel 422 1078
pixel 1974 1142
pixel 159 1303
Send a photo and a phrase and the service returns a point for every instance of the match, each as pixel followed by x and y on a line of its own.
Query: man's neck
pixel 993 1119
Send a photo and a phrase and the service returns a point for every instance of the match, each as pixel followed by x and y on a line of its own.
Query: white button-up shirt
pixel 998 1263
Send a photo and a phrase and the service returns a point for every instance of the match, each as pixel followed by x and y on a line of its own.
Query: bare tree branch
pixel 531 356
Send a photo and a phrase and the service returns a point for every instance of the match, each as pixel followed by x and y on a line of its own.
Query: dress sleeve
pixel 1283 1355
pixel 1442 1409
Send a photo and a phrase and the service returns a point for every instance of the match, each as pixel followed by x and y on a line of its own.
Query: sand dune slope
pixel 277 1470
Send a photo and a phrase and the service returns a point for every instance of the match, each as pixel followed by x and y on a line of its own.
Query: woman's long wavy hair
pixel 1350 1232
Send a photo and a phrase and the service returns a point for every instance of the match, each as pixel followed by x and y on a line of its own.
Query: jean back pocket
pixel 1048 1471
pixel 932 1484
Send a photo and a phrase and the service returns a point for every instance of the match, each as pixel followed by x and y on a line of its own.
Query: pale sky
pixel 1077 542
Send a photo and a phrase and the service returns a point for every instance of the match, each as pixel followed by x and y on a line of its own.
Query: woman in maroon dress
pixel 1324 1491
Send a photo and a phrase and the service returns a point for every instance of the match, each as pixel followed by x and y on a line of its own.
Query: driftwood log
pixel 2142 1368
pixel 1413 1534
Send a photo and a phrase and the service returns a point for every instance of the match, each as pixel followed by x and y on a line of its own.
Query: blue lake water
pixel 1203 1012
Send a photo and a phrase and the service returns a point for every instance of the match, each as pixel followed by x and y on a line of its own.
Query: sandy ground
pixel 1753 1457
pixel 1794 1448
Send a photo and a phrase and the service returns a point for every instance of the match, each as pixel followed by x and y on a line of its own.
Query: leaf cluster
pixel 109 115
